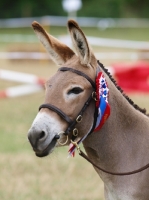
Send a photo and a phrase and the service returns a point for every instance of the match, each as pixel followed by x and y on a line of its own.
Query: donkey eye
pixel 75 90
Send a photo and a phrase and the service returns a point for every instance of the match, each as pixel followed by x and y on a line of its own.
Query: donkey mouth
pixel 47 150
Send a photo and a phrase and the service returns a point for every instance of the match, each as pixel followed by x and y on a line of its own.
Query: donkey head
pixel 66 91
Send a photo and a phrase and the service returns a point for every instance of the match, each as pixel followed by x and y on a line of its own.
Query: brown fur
pixel 61 50
pixel 79 40
pixel 121 145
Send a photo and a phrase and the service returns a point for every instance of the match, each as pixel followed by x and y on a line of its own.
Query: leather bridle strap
pixel 78 119
pixel 72 125
pixel 81 153
pixel 63 69
pixel 58 111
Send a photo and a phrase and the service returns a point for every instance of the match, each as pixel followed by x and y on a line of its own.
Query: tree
pixel 94 8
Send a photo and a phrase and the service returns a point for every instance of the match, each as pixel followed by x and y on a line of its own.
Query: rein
pixel 78 119
pixel 82 154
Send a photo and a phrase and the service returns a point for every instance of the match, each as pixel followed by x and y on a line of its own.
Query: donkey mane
pixel 142 110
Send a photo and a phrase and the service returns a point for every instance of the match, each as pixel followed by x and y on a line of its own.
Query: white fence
pixel 32 84
pixel 83 21
pixel 99 55
pixel 142 48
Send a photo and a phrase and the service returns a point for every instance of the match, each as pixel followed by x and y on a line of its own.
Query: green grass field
pixel 24 176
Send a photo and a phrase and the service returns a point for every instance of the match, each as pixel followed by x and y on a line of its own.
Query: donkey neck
pixel 117 141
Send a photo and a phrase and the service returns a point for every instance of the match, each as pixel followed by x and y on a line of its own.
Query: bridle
pixel 78 119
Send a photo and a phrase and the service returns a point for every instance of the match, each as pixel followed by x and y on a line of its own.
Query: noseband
pixel 78 119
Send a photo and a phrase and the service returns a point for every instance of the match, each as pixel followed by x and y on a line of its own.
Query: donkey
pixel 121 144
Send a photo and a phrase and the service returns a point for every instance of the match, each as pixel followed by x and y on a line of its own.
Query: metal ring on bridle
pixel 62 144
pixel 94 96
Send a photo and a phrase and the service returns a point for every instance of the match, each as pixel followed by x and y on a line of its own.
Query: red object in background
pixel 132 77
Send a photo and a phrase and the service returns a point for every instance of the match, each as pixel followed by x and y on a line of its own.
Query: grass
pixel 23 175
pixel 26 177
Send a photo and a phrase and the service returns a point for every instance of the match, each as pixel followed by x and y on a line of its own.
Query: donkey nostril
pixel 42 135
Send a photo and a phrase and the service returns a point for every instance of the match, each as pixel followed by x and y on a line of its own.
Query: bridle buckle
pixel 79 118
pixel 75 132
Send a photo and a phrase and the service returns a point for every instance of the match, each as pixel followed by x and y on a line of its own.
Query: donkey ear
pixel 58 51
pixel 80 42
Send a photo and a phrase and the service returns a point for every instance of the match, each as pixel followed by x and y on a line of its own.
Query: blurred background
pixel 118 32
